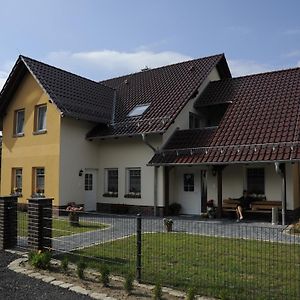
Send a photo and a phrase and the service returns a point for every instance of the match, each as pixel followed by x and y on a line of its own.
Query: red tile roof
pixel 261 124
pixel 167 89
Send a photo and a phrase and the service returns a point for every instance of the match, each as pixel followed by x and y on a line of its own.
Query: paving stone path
pixel 120 227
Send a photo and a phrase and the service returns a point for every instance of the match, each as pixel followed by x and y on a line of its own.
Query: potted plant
pixel 211 209
pixel 168 224
pixel 73 210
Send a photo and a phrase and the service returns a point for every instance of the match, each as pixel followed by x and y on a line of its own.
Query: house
pixel 182 133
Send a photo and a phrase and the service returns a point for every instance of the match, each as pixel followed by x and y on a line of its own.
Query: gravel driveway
pixel 17 286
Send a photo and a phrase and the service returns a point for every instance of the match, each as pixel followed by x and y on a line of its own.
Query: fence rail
pixel 220 259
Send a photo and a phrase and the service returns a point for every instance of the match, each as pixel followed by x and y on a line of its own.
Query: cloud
pixel 298 64
pixel 294 53
pixel 294 31
pixel 240 67
pixel 108 63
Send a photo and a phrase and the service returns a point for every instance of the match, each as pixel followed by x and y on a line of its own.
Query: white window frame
pixel 189 187
pixel 138 110
pixel 41 125
pixel 36 189
pixel 109 193
pixel 17 173
pixel 16 127
pixel 128 181
pixel 88 181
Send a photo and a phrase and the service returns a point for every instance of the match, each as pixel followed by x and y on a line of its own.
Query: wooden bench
pixel 255 206
pixel 265 205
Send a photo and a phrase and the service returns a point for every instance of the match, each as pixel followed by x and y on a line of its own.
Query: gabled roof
pixel 75 96
pixel 167 89
pixel 262 123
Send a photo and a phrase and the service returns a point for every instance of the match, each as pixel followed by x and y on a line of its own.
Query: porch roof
pixel 260 124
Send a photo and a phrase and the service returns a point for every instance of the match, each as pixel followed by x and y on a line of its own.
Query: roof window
pixel 138 110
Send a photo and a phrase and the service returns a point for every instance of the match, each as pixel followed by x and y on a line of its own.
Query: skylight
pixel 138 110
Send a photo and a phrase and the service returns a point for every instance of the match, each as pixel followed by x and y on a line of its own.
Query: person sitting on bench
pixel 244 203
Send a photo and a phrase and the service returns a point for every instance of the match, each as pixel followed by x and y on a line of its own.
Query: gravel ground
pixel 18 286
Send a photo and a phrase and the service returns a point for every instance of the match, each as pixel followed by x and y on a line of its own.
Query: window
pixel 194 121
pixel 19 122
pixel 111 186
pixel 188 182
pixel 16 181
pixel 39 181
pixel 138 110
pixel 256 180
pixel 40 118
pixel 134 181
pixel 88 182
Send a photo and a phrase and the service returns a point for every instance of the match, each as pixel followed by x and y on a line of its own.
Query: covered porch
pixel 269 184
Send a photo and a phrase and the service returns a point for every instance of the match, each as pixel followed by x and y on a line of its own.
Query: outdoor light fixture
pixel 80 172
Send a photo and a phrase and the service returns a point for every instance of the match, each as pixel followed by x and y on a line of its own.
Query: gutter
pixel 155 174
pixel 280 170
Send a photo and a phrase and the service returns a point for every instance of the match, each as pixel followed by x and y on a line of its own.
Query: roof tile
pixel 260 124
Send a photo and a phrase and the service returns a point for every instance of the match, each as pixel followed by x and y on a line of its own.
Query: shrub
pixel 39 259
pixel 191 293
pixel 104 278
pixel 174 209
pixel 81 266
pixel 128 284
pixel 64 264
pixel 157 291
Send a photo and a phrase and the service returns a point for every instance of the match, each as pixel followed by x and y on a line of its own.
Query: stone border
pixel 15 266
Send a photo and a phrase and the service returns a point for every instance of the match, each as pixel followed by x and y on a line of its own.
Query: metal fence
pixel 219 258
pixel 22 229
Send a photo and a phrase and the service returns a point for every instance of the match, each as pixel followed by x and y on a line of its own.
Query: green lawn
pixel 219 267
pixel 61 227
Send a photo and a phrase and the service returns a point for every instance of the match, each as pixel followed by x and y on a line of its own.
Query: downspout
pixel 155 175
pixel 280 170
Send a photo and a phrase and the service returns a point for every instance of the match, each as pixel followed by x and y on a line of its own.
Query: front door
pixel 90 188
pixel 189 190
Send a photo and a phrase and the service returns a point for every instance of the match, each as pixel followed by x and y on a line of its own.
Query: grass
pixel 218 267
pixel 61 227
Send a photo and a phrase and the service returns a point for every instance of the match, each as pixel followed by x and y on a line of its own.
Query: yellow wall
pixel 31 150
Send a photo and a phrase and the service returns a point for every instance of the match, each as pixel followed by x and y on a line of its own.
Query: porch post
pixel 166 190
pixel 219 170
pixel 220 192
pixel 283 194
pixel 281 171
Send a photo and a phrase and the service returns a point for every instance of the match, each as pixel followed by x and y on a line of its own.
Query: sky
pixel 100 39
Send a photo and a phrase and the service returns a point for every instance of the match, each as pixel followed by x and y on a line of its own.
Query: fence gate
pixel 22 227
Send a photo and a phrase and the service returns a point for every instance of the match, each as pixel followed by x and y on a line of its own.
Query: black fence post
pixel 139 248
pixel 40 223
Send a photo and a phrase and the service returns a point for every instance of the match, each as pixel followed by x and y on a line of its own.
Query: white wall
pixel 76 153
pixel 182 120
pixel 190 201
pixel 125 153
pixel 234 182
